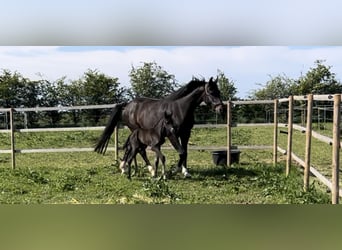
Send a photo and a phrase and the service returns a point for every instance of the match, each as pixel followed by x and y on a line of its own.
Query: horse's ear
pixel 212 81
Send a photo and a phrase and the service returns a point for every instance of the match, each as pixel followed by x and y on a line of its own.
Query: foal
pixel 140 139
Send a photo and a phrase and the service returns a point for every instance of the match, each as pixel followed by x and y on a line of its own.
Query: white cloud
pixel 245 65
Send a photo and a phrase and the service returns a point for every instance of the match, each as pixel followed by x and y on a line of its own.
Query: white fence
pixel 12 129
pixel 333 185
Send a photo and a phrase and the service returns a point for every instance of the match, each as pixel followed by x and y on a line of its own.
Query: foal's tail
pixel 115 117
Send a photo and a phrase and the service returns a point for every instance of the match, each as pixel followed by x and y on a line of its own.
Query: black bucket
pixel 220 157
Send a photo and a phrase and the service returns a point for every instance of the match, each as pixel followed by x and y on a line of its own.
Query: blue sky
pixel 247 66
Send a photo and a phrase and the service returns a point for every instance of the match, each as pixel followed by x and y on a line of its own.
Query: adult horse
pixel 146 112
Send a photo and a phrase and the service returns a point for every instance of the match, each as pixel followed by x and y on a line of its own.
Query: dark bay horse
pixel 146 112
pixel 141 138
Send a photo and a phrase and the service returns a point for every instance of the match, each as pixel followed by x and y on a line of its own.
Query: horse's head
pixel 213 95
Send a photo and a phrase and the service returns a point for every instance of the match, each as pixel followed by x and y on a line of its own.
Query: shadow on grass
pixel 222 172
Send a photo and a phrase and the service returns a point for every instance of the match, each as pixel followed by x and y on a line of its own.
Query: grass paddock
pixel 90 178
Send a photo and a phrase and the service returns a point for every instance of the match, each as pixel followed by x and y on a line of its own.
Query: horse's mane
pixel 186 89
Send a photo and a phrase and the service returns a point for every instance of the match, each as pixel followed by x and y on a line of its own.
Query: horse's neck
pixel 191 101
pixel 186 90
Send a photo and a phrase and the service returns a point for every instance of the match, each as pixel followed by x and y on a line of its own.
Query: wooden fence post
pixel 12 138
pixel 308 142
pixel 289 136
pixel 336 150
pixel 229 131
pixel 275 133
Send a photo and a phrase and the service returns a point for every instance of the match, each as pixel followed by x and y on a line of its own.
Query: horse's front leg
pixel 182 163
pixel 156 163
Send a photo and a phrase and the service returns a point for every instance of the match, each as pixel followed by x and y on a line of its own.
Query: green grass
pixel 87 177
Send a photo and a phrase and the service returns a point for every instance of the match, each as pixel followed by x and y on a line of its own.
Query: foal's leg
pixel 159 155
pixel 150 168
pixel 156 164
pixel 135 165
pixel 132 154
pixel 123 163
pixel 129 169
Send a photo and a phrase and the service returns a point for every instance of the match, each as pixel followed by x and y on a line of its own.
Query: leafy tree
pixel 151 80
pixel 318 80
pixel 52 95
pixel 251 113
pixel 96 88
pixel 12 89
pixel 279 86
pixel 17 91
pixel 92 88
pixel 226 86
pixel 73 97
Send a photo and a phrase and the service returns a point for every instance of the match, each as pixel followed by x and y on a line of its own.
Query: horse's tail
pixel 113 121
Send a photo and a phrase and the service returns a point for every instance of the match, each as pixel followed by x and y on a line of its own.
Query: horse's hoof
pixel 175 170
pixel 187 175
pixel 152 170
pixel 123 168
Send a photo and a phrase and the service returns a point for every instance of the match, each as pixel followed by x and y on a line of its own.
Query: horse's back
pixel 142 113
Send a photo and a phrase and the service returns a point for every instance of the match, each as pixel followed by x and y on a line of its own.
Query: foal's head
pixel 167 125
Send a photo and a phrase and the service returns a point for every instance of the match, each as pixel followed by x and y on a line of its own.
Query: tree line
pixel 92 88
pixel 149 80
pixel 319 80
